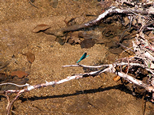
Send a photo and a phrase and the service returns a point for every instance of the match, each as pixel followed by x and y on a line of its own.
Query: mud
pixel 98 95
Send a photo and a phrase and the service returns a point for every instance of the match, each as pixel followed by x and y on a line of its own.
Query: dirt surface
pixel 88 96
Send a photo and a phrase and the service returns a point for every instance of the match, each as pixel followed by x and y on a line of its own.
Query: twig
pixel 9 83
pixel 10 104
pixel 32 4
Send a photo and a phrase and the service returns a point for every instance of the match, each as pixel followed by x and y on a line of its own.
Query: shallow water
pixel 93 95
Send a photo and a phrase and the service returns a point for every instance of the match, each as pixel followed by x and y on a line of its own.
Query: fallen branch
pixel 113 10
pixel 110 68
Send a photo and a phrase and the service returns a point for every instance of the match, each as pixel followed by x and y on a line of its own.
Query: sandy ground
pixel 98 95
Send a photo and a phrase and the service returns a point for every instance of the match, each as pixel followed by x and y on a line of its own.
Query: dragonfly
pixel 83 57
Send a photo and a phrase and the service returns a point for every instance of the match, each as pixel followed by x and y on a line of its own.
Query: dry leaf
pixel 116 78
pixel 87 43
pixel 19 74
pixel 40 27
pixel 30 57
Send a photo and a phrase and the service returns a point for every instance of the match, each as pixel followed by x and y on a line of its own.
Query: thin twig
pixel 9 83
pixel 32 4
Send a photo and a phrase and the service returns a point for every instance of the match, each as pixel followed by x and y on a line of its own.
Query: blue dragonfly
pixel 83 57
